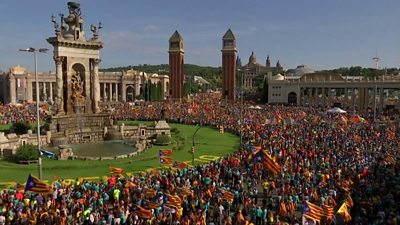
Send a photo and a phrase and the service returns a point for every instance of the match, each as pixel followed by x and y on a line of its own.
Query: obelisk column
pixel 96 86
pixel 59 84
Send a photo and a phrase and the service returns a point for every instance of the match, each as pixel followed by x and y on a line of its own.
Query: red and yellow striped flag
pixel 173 201
pixel 116 170
pixel 227 195
pixel 142 212
pixel 165 160
pixel 150 192
pixel 313 211
pixel 36 185
pixel 328 210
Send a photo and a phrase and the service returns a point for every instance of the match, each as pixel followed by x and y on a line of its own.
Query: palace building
pixel 18 85
pixel 254 73
pixel 308 88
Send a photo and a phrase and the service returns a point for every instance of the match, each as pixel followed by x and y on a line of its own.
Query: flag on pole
pixel 36 185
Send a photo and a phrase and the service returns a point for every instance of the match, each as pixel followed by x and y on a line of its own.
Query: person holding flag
pixel 36 185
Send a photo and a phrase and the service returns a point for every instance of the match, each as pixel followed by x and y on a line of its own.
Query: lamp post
pixel 35 50
pixel 193 144
pixel 241 103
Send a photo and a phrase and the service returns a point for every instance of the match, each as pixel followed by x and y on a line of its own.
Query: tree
pixel 162 139
pixel 20 128
pixel 26 152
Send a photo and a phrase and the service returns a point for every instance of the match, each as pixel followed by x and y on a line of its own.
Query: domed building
pixel 254 73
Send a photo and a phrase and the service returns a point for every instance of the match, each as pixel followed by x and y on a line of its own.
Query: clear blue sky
pixel 321 34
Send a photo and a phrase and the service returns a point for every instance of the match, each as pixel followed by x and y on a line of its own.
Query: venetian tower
pixel 176 61
pixel 228 66
pixel 77 63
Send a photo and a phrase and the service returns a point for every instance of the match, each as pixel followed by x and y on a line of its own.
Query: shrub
pixel 162 139
pixel 26 152
pixel 20 128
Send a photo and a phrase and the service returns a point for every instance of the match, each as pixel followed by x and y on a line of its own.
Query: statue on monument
pixel 77 91
pixel 74 8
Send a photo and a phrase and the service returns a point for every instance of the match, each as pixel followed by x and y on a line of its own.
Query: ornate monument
pixel 77 64
pixel 76 109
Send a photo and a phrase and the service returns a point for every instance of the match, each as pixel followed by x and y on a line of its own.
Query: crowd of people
pixel 328 160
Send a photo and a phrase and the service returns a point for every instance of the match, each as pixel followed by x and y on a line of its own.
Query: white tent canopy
pixel 336 110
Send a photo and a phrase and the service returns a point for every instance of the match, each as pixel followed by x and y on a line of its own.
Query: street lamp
pixel 193 144
pixel 241 102
pixel 35 50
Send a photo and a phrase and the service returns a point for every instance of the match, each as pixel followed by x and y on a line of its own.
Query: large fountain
pixel 76 117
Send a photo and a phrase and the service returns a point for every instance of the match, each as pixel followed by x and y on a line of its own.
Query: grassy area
pixel 135 123
pixel 4 127
pixel 210 144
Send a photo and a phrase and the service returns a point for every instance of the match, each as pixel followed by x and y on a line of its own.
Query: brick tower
pixel 176 62
pixel 228 66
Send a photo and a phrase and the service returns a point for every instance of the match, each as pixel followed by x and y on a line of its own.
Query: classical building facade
pixel 77 84
pixel 176 62
pixel 18 85
pixel 329 89
pixel 253 73
pixel 229 66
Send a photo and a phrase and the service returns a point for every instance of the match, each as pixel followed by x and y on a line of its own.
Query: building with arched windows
pixel 311 88
pixel 18 85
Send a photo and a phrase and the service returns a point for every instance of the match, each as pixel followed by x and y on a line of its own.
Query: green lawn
pixel 4 127
pixel 210 144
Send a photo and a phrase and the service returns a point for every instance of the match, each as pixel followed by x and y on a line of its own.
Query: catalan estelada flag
pixel 142 212
pixel 227 195
pixel 312 211
pixel 173 201
pixel 151 205
pixel 150 192
pixel 269 163
pixel 180 165
pixel 166 152
pixel 36 185
pixel 116 170
pixel 165 160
